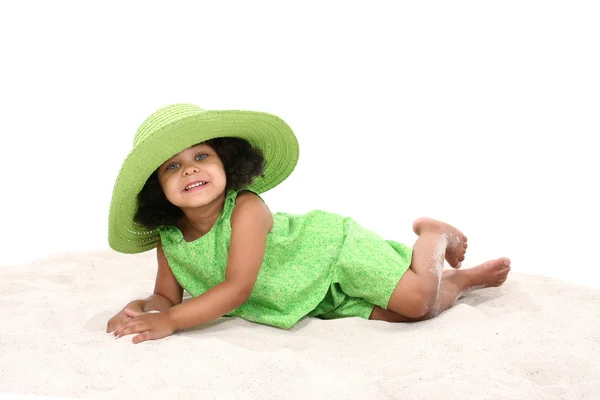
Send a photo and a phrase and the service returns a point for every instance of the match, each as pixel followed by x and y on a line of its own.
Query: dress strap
pixel 229 204
pixel 230 199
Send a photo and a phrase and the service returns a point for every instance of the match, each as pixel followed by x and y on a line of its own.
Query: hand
pixel 150 326
pixel 121 317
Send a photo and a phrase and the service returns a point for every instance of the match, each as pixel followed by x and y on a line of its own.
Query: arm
pixel 251 221
pixel 167 293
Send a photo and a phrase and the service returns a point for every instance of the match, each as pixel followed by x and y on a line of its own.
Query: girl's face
pixel 193 178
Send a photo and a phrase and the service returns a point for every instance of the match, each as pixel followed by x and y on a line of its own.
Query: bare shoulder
pixel 247 196
pixel 251 208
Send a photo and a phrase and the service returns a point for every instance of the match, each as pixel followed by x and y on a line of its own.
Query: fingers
pixel 115 322
pixel 131 313
pixel 144 331
pixel 148 326
pixel 112 325
pixel 127 325
pixel 132 326
pixel 142 337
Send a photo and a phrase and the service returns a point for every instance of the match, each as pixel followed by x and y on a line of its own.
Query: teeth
pixel 194 185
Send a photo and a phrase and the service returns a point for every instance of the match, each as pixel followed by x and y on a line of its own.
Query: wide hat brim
pixel 175 128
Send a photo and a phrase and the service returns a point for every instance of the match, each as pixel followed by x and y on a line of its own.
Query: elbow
pixel 243 295
pixel 240 293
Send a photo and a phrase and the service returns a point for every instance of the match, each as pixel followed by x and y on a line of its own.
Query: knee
pixel 414 296
pixel 423 301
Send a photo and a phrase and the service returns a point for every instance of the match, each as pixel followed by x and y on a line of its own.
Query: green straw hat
pixel 175 128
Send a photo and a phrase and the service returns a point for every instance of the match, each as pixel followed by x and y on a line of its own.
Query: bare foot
pixel 457 241
pixel 491 273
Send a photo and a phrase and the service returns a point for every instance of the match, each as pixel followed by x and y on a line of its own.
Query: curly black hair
pixel 242 163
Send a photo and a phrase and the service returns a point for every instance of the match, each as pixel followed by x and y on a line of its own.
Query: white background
pixel 483 114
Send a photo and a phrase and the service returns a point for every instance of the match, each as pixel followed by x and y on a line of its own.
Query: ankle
pixel 463 278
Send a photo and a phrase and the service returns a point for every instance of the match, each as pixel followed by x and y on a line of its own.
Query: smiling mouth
pixel 195 185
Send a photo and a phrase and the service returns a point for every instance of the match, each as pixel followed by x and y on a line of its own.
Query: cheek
pixel 215 169
pixel 168 185
pixel 220 171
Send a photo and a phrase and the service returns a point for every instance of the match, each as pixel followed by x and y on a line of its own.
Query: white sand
pixel 533 338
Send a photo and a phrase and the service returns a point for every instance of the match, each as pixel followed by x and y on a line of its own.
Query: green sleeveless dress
pixel 318 264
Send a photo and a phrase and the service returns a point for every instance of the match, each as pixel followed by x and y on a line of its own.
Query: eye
pixel 172 166
pixel 201 156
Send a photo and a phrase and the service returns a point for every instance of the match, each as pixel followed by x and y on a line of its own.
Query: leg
pixel 454 285
pixel 417 292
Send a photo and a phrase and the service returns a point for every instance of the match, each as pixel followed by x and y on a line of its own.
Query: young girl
pixel 190 188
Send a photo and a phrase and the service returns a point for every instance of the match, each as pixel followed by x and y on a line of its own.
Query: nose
pixel 190 170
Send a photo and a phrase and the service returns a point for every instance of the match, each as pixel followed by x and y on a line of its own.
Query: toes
pixel 453 261
pixel 504 265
